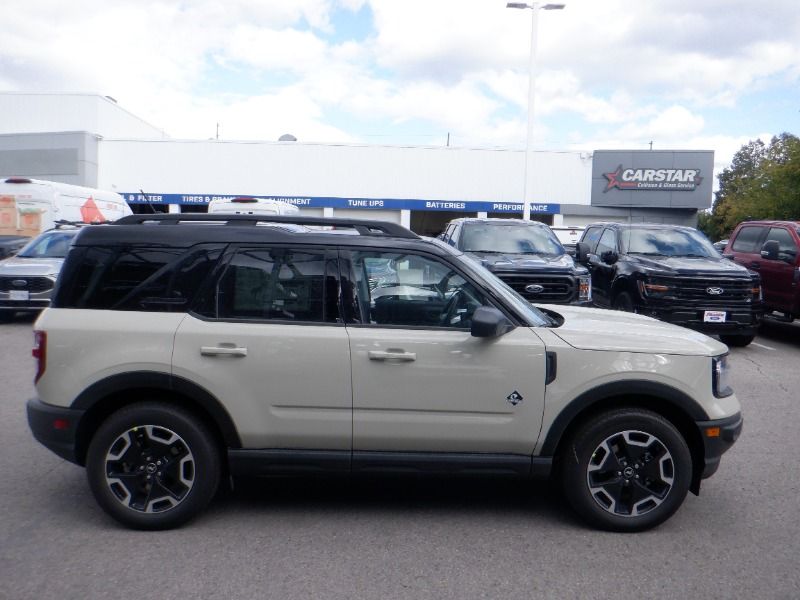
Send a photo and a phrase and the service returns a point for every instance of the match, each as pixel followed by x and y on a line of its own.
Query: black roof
pixel 185 230
pixel 615 225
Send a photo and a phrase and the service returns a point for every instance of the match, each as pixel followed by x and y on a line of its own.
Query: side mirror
pixel 488 322
pixel 770 250
pixel 609 257
pixel 581 252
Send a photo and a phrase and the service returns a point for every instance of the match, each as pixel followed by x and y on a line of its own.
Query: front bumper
pixel 55 427
pixel 741 320
pixel 718 436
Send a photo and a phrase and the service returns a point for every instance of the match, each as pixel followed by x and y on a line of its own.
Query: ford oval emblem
pixel 19 282
pixel 714 291
pixel 534 288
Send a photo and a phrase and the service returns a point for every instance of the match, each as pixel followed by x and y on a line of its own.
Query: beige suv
pixel 179 348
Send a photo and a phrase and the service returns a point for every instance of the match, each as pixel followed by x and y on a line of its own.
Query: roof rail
pixel 362 226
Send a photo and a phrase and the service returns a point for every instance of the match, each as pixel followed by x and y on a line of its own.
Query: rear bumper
pixel 55 428
pixel 718 436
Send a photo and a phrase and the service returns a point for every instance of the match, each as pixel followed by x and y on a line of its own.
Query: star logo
pixel 615 181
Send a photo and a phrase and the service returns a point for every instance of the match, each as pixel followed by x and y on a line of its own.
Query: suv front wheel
pixel 626 470
pixel 151 465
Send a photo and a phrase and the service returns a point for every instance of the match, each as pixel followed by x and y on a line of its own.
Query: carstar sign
pixel 677 180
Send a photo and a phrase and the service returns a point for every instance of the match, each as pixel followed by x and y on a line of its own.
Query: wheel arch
pixel 672 404
pixel 108 395
pixel 624 283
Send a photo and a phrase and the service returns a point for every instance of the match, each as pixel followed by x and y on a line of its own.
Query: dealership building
pixel 90 140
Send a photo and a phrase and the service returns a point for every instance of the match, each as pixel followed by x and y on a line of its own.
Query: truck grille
pixel 696 290
pixel 557 289
pixel 32 284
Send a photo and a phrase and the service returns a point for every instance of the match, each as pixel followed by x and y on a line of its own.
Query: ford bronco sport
pixel 181 349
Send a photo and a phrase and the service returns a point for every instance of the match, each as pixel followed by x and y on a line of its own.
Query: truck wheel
pixel 151 465
pixel 737 340
pixel 624 302
pixel 626 470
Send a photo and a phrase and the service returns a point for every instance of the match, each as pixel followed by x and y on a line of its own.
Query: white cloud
pixel 616 73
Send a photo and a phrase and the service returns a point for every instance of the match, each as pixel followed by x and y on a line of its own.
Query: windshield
pixel 510 239
pixel 49 245
pixel 666 242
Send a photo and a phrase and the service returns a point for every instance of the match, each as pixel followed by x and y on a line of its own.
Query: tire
pixel 626 470
pixel 153 446
pixel 737 340
pixel 623 302
pixel 6 316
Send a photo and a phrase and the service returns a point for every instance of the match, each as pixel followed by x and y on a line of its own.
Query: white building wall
pixel 350 171
pixel 48 113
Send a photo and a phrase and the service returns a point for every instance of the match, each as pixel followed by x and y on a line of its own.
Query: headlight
pixel 653 289
pixel 721 376
pixel 585 288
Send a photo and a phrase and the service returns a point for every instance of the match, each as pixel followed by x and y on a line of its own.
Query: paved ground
pixel 462 540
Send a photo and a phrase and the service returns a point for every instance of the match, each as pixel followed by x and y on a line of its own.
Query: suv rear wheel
pixel 153 466
pixel 627 470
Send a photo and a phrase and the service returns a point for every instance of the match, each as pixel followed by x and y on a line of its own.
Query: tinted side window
pixel 172 289
pixel 591 236
pixel 747 239
pixel 608 242
pixel 784 239
pixel 273 284
pixel 400 289
pixel 108 277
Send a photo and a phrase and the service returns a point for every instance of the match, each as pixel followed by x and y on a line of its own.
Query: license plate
pixel 714 316
pixel 18 295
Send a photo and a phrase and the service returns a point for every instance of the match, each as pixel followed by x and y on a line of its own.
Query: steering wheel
pixel 451 308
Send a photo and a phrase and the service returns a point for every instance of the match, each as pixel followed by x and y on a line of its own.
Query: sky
pixel 682 74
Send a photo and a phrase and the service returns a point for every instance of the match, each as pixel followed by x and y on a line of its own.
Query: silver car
pixel 27 279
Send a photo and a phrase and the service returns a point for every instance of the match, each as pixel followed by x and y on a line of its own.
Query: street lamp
pixel 535 8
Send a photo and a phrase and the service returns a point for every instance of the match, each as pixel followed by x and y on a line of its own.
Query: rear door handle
pixel 392 354
pixel 223 350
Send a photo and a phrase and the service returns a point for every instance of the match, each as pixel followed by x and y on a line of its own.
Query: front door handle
pixel 223 350
pixel 755 265
pixel 392 354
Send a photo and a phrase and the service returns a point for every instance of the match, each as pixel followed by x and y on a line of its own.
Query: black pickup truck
pixel 524 254
pixel 673 273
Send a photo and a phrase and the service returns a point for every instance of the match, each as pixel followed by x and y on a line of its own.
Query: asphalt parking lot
pixel 412 539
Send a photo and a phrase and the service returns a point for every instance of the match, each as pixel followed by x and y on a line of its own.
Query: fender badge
pixel 515 398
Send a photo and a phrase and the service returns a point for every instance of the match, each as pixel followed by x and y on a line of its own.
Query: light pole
pixel 535 8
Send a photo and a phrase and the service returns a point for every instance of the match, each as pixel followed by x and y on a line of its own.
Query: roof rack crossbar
pixel 364 227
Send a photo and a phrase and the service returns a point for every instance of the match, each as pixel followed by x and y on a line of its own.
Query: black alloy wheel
pixel 626 470
pixel 153 466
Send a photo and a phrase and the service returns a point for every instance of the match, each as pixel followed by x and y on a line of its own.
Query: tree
pixel 762 182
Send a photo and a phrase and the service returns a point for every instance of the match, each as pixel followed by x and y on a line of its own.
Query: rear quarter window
pixel 137 278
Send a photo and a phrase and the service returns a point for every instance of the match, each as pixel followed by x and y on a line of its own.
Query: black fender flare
pixel 152 380
pixel 648 391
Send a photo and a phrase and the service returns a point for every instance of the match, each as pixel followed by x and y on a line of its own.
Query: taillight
pixel 39 352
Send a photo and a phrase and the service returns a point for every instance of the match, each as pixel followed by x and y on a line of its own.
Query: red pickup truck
pixel 771 248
